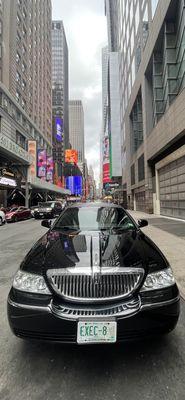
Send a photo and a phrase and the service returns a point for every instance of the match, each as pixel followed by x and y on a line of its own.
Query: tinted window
pixel 95 219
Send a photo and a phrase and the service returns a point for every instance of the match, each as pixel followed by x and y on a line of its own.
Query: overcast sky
pixel 86 33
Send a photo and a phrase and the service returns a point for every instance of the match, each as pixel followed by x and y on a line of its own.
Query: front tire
pixel 15 219
pixel 1 221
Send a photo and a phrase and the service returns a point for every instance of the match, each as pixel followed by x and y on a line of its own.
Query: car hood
pixel 57 249
pixel 9 214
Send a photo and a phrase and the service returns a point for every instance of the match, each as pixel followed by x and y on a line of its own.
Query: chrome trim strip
pixel 29 307
pixel 88 271
pixel 159 304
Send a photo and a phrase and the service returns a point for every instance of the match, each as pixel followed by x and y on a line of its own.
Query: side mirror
pixel 46 223
pixel 142 223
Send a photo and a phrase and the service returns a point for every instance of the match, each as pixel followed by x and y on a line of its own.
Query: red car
pixel 18 214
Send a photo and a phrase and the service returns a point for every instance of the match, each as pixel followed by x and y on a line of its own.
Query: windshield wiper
pixel 66 228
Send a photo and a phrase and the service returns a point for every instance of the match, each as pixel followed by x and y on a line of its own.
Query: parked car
pixel 2 218
pixel 49 209
pixel 18 214
pixel 33 209
pixel 94 277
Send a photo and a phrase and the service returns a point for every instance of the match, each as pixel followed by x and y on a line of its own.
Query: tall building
pixel 152 85
pixel 110 157
pixel 25 64
pixel 25 99
pixel 76 127
pixel 60 91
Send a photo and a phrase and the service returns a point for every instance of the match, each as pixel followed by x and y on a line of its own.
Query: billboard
pixel 58 123
pixel 74 184
pixel 50 169
pixel 106 160
pixel 71 156
pixel 41 164
pixel 32 150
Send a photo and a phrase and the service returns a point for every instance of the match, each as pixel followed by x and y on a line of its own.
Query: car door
pixel 20 213
pixel 24 212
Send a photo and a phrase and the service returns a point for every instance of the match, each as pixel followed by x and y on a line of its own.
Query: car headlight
pixel 159 280
pixel 48 209
pixel 31 283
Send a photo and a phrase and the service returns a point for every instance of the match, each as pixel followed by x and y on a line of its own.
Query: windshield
pixel 13 209
pixel 46 204
pixel 103 218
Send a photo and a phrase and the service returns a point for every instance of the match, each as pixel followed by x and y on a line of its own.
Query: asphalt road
pixel 152 370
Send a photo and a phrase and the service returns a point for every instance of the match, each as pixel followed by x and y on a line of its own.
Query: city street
pixel 144 370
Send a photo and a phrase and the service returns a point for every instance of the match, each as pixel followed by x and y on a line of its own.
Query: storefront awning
pixel 37 183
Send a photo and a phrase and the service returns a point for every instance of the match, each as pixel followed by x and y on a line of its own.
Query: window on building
pixel 145 25
pixel 20 140
pixel 18 20
pixel 137 17
pixel 132 173
pixel 136 118
pixel 17 58
pixel 154 6
pixel 18 77
pixel 138 55
pixel 141 168
pixel 18 96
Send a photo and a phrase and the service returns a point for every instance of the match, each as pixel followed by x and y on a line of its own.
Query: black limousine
pixel 94 277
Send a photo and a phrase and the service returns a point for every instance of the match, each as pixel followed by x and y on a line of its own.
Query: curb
pixel 181 290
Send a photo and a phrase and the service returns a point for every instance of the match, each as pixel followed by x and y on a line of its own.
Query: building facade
pixel 25 63
pixel 76 128
pixel 60 92
pixel 150 40
pixel 25 95
pixel 110 157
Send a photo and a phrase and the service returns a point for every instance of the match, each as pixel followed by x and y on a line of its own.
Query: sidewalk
pixel 172 246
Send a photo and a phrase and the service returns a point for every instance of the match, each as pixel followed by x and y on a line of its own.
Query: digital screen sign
pixel 32 150
pixel 41 164
pixel 50 169
pixel 59 129
pixel 106 160
pixel 74 184
pixel 71 156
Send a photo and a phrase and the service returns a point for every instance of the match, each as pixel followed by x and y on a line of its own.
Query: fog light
pixel 31 283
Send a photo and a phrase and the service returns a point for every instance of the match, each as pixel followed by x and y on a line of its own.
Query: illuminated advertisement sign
pixel 7 181
pixel 32 150
pixel 74 184
pixel 106 161
pixel 71 156
pixel 58 128
pixel 41 164
pixel 50 169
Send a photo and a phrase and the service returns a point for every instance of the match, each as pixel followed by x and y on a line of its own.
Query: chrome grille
pixel 95 285
pixel 117 310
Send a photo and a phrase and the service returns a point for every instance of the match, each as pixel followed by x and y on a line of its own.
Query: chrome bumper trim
pixel 29 307
pixel 72 314
pixel 159 304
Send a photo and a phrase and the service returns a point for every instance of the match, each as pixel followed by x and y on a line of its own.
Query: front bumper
pixel 46 321
pixel 44 214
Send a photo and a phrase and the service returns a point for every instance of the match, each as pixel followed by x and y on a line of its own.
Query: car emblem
pixel 97 279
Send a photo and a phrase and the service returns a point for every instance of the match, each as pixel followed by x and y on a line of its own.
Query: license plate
pixel 96 332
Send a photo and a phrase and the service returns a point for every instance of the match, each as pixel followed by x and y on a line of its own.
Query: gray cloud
pixel 85 27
